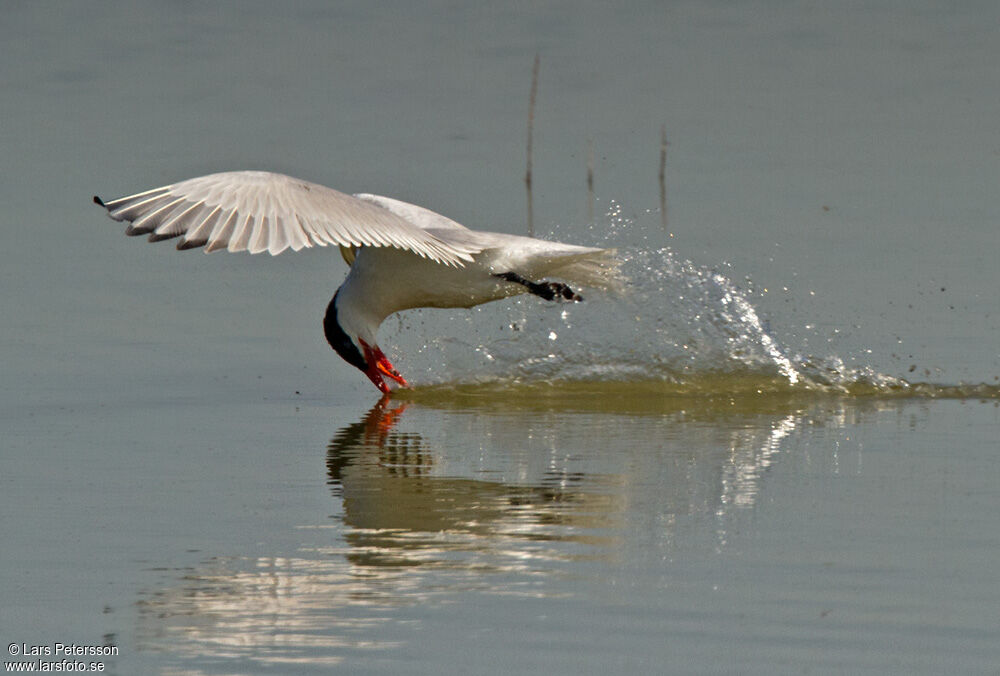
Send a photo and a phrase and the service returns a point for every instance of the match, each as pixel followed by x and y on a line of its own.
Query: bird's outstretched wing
pixel 259 211
pixel 421 217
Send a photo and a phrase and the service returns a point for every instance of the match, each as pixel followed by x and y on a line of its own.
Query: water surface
pixel 775 453
pixel 753 535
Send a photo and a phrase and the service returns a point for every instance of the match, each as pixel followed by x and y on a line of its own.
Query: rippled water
pixel 516 533
pixel 774 452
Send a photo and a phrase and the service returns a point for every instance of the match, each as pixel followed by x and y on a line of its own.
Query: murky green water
pixel 776 452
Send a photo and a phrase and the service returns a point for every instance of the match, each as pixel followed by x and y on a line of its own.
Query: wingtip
pixel 99 202
pixel 154 237
pixel 186 244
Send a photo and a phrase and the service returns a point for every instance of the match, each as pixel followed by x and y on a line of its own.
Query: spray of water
pixel 676 324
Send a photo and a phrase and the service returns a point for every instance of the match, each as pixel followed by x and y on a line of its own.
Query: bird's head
pixel 365 355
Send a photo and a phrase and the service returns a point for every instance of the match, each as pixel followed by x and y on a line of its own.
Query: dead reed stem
pixel 531 126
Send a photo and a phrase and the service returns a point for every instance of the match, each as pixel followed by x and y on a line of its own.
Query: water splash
pixel 675 322
pixel 678 327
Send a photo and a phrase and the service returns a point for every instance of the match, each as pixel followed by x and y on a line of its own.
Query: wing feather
pixel 419 216
pixel 259 211
pixel 198 235
pixel 131 211
pixel 173 226
pixel 148 221
pixel 222 232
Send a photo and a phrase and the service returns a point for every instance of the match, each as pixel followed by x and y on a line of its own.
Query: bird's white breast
pixel 386 280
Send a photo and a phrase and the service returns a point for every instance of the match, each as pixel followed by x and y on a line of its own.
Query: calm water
pixel 775 454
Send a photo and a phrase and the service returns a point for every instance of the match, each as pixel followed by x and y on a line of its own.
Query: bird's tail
pixel 596 268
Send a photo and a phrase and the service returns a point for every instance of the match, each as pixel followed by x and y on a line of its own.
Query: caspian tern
pixel 401 256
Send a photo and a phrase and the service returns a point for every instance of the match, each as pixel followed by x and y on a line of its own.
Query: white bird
pixel 401 256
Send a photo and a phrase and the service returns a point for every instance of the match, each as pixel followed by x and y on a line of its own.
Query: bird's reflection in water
pixel 409 534
pixel 439 499
pixel 401 510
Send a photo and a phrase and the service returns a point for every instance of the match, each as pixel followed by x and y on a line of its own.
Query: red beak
pixel 378 366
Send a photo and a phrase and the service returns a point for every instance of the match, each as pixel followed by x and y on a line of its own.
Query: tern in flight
pixel 401 256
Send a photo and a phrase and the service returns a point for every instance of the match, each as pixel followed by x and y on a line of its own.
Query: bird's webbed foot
pixel 543 289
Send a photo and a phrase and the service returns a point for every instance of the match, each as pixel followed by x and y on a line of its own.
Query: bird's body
pixel 402 256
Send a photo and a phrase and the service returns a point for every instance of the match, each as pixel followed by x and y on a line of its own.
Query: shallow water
pixel 775 452
pixel 515 533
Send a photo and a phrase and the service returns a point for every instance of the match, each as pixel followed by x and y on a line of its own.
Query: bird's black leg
pixel 546 290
